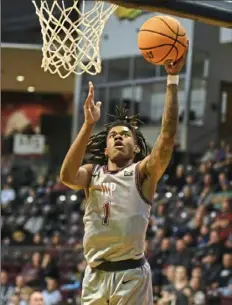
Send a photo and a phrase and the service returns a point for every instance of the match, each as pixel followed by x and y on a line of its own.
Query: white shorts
pixel 130 287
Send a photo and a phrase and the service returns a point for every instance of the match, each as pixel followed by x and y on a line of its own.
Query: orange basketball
pixel 161 39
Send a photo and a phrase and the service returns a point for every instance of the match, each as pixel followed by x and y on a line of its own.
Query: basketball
pixel 161 39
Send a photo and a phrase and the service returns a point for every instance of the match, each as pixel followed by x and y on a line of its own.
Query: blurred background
pixel 189 239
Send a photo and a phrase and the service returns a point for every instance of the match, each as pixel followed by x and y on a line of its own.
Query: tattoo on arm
pixel 170 116
pixel 162 150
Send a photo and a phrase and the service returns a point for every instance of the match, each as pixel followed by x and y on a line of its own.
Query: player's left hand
pixel 174 68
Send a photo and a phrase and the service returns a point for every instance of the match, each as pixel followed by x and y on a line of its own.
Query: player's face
pixel 121 144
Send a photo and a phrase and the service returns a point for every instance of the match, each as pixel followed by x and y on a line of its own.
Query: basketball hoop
pixel 71 34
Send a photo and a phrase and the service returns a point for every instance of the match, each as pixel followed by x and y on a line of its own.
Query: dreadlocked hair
pixel 96 147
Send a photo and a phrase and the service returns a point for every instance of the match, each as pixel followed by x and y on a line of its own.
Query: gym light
pixel 31 89
pixel 20 78
pixel 168 195
pixel 73 197
pixel 62 198
pixel 30 199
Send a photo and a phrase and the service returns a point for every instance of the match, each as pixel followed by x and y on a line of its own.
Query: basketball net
pixel 71 35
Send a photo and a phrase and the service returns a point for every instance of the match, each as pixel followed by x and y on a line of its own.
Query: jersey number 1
pixel 106 208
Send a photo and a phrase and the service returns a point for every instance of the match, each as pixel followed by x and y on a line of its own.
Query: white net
pixel 71 32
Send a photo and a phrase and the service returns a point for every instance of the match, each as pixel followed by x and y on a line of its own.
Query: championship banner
pixel 128 13
pixel 29 144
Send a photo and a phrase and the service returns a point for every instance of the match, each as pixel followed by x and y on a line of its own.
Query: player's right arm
pixel 72 173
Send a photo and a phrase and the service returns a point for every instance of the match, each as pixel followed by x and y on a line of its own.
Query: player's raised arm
pixel 156 163
pixel 72 173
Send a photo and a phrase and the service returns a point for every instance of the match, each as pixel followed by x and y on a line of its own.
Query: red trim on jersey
pixel 138 186
pixel 106 171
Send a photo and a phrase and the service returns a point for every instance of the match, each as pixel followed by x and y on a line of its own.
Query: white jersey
pixel 116 216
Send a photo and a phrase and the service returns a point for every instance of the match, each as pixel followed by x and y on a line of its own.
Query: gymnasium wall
pixel 225 35
pixel 120 36
pixel 220 63
pixel 120 40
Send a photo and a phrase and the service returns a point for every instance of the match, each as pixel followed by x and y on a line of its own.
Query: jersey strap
pixel 138 186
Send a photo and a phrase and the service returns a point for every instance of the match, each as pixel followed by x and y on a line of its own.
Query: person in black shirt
pixel 178 180
pixel 211 268
pixel 181 255
pixel 226 272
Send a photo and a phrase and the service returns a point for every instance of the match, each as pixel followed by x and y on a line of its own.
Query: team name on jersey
pixel 106 188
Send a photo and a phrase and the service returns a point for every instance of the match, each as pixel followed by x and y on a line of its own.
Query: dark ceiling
pixel 20 23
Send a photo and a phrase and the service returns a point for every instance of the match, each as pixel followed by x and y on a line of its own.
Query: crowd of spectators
pixel 188 245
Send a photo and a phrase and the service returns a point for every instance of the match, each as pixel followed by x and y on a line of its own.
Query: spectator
pixel 203 237
pixel 191 184
pixel 7 195
pixel 75 278
pixel 36 298
pixel 226 271
pixel 197 273
pixel 40 186
pixel 14 300
pixel 168 275
pixel 178 181
pixel 159 260
pixel 56 240
pixel 226 291
pixel 197 219
pixel 156 242
pixel 20 238
pixel 211 268
pixel 221 152
pixel 6 165
pixel 228 244
pixel 160 219
pixel 181 255
pixel 180 279
pixel 210 154
pixel 52 295
pixel 32 271
pixel 222 180
pixel 211 170
pixel 180 286
pixel 49 267
pixel 197 295
pixel 215 246
pixel 168 297
pixel 25 295
pixel 163 254
pixel 37 240
pixel 6 289
pixel 224 220
pixel 206 191
pixel 189 240
pixel 19 284
pixel 188 198
pixel 35 222
pixel 10 181
pixel 201 172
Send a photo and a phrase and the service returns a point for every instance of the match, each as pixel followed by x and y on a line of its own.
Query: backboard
pixel 218 13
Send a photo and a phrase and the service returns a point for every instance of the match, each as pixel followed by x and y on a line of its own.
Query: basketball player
pixel 119 183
